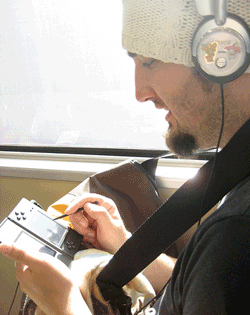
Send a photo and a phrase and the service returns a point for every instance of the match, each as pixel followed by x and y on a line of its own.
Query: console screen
pixel 27 241
pixel 46 228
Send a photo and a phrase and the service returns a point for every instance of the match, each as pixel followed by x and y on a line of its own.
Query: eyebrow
pixel 132 55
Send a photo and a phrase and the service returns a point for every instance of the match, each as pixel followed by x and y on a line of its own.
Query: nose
pixel 143 90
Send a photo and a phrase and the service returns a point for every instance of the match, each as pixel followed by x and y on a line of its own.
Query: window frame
pixel 126 152
pixel 171 173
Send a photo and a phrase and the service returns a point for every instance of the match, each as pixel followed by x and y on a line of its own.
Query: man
pixel 212 274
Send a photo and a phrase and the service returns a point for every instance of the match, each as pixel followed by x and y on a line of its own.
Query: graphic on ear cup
pixel 221 53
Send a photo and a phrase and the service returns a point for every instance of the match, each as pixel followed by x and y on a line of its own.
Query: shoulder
pixel 226 231
pixel 216 262
pixel 232 211
pixel 212 274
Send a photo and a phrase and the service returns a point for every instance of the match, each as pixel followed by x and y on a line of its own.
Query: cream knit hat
pixel 163 29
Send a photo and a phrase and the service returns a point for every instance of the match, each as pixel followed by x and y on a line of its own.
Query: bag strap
pixel 150 166
pixel 179 212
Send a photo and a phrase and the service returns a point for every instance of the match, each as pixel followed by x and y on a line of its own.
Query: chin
pixel 181 143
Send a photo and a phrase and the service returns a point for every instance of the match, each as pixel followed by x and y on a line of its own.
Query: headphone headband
pixel 217 8
pixel 204 7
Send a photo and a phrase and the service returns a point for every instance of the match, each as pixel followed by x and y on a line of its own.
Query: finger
pixel 81 218
pixel 98 213
pixel 25 277
pixel 80 201
pixel 110 206
pixel 23 273
pixel 80 225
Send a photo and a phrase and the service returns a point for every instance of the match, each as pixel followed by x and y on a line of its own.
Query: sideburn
pixel 206 85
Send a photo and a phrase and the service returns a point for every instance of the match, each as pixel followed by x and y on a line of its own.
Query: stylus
pixel 66 215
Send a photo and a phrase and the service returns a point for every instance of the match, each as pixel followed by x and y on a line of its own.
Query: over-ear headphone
pixel 221 43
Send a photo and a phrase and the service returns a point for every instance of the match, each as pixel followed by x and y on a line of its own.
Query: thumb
pixel 16 254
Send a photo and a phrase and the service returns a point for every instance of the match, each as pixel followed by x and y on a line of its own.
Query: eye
pixel 149 63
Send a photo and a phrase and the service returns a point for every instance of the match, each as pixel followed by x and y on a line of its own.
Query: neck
pixel 237 106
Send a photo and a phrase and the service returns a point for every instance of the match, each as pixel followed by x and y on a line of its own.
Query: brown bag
pixel 130 185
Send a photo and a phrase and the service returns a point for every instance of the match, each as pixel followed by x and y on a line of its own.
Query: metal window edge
pixel 170 173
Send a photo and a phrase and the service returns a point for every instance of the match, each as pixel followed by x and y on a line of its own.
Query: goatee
pixel 181 143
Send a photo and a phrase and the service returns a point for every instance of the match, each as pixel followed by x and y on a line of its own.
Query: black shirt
pixel 212 274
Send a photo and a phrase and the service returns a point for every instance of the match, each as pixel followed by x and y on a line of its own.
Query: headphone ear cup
pixel 221 53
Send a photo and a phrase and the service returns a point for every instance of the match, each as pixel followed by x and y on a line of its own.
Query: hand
pixel 47 281
pixel 100 224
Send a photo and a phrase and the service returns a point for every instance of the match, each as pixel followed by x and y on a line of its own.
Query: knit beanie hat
pixel 163 29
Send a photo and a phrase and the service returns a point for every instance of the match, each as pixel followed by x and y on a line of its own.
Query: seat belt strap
pixel 180 212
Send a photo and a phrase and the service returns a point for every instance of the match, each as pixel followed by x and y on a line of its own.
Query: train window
pixel 67 82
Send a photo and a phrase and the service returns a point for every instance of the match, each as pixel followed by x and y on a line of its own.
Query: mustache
pixel 159 103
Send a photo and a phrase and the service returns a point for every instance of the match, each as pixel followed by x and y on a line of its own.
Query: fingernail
pixel 90 237
pixel 83 224
pixel 5 249
pixel 91 234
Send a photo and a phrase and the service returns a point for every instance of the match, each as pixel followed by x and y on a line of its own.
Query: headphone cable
pixel 153 300
pixel 217 149
pixel 14 297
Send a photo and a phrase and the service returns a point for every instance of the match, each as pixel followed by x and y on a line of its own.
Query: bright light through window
pixel 66 81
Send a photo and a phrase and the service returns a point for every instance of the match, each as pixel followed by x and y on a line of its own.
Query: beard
pixel 181 143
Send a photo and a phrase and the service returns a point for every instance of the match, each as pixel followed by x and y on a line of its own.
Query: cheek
pixel 194 101
pixel 171 84
pixel 174 88
pixel 184 94
pixel 190 110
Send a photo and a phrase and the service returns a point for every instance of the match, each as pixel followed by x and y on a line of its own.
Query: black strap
pixel 180 212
